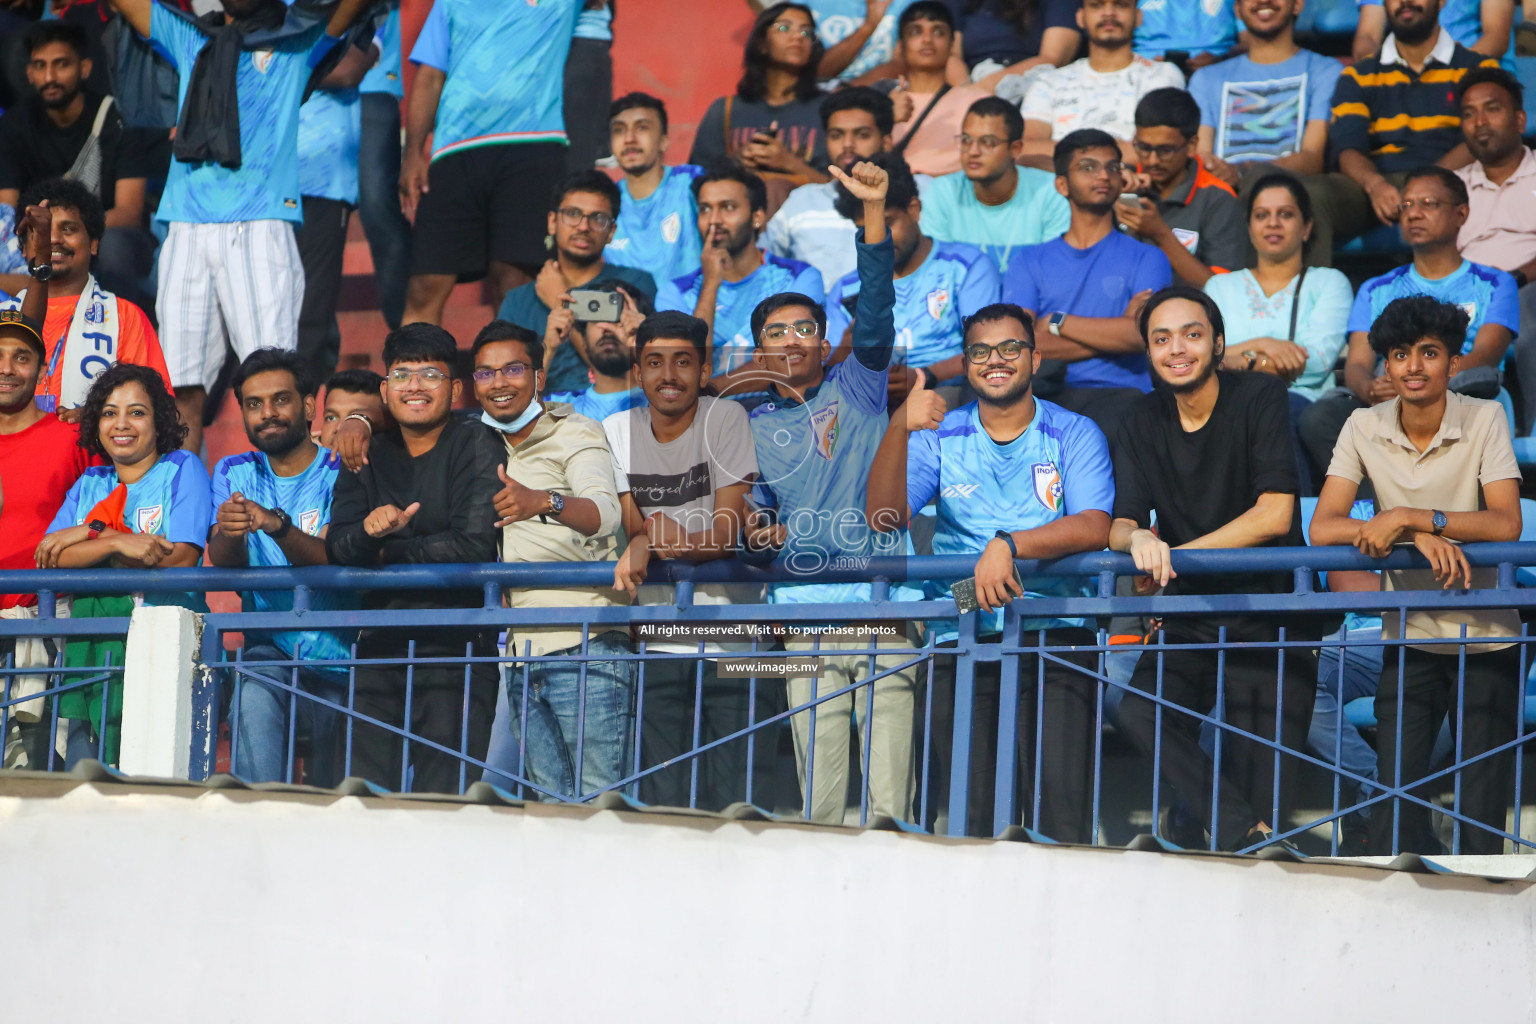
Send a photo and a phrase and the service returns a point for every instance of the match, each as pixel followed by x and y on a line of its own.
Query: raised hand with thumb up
pixel 515 503
pixel 387 519
pixel 924 408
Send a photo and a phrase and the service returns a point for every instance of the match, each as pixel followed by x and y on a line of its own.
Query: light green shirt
pixel 1320 321
pixel 1035 213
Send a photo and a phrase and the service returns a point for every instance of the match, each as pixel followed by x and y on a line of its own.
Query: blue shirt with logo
pixel 385 75
pixel 1260 111
pixel 307 500
pixel 1194 26
pixel 170 501
pixel 1487 295
pixel 269 85
pixel 813 456
pixel 595 406
pixel 736 300
pixel 1098 281
pixel 330 130
pixel 1059 466
pixel 505 66
pixel 660 233
pixel 836 20
pixel 931 302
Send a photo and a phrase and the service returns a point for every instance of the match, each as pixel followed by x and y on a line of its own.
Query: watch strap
pixel 284 524
pixel 1007 538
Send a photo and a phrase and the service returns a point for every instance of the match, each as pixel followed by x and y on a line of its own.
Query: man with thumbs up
pixel 426 494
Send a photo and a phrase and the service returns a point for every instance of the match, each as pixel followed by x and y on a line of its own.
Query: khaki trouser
pixel 890 781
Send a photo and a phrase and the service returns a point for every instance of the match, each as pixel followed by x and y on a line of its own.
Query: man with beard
pixel 88 328
pixel 1210 454
pixel 1391 113
pixel 557 503
pixel 736 275
pixel 1012 476
pixel 609 348
pixel 938 285
pixel 272 506
pixel 1267 108
pixel 858 122
pixel 1099 91
pixel 65 129
pixel 1088 285
pixel 425 496
pixel 1501 218
pixel 582 216
pixel 657 213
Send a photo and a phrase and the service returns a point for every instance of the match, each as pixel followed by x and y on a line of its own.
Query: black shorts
pixel 490 203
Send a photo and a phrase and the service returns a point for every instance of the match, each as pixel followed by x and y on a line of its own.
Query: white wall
pixel 187 905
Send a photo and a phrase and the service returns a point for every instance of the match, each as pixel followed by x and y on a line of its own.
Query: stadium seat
pixel 1525 452
pixel 1382 239
pixel 1525 71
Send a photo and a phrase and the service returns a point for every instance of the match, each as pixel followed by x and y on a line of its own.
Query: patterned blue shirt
pixel 736 300
pixel 505 65
pixel 952 283
pixel 307 500
pixel 1487 295
pixel 269 85
pixel 660 233
pixel 330 130
pixel 595 406
pixel 1058 467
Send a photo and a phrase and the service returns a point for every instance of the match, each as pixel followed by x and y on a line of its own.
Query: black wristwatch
pixel 41 272
pixel 283 523
pixel 1007 538
pixel 1520 279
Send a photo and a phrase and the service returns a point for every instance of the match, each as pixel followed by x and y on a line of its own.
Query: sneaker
pixel 1259 838
pixel 1179 826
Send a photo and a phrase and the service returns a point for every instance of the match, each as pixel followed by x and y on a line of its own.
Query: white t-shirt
pixel 679 478
pixel 1076 96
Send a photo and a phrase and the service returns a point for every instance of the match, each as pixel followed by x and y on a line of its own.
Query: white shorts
pixel 241 282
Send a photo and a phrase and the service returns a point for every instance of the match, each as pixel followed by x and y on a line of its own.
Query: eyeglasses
pixel 512 371
pixel 1091 168
pixel 572 217
pixel 786 27
pixel 980 352
pixel 802 328
pixel 1428 205
pixel 986 142
pixel 1163 152
pixel 430 376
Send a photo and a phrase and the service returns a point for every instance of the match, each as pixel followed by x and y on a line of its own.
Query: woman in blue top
pixel 149 508
pixel 1284 318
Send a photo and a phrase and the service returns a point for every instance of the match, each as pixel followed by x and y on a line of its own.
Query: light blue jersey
pixel 505 66
pixel 1193 26
pixel 1059 466
pixel 660 233
pixel 836 20
pixel 170 501
pixel 307 500
pixel 1487 295
pixel 931 302
pixel 385 75
pixel 813 457
pixel 270 85
pixel 1034 213
pixel 736 300
pixel 599 407
pixel 330 130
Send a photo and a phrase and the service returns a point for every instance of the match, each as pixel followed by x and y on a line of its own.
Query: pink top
pixel 935 149
pixel 1501 228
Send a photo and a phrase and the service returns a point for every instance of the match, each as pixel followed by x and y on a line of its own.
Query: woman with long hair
pixel 148 507
pixel 773 122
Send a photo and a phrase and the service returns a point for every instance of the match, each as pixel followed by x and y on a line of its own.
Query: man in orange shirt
pixel 87 328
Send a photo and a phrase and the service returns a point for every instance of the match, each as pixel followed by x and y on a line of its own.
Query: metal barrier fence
pixel 953 749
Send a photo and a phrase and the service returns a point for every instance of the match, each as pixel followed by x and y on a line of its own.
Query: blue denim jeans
pixel 560 709
pixel 378 202
pixel 261 743
pixel 1331 731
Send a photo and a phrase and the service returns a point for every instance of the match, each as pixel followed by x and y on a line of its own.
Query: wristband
pixel 1007 538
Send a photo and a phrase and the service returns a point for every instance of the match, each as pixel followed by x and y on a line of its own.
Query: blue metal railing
pixel 1102 568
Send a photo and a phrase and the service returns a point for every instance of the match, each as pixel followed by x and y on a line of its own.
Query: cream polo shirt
pixel 1501 226
pixel 1470 449
pixel 568 453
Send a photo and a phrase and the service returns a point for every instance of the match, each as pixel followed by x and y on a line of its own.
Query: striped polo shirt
pixel 1400 118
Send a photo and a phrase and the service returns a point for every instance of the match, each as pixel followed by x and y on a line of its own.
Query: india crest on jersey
pixel 309 522
pixel 671 228
pixel 150 519
pixel 1048 485
pixel 824 427
pixel 938 303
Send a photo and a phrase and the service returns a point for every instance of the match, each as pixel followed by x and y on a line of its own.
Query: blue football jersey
pixel 931 302
pixel 307 500
pixel 330 129
pixel 660 233
pixel 269 85
pixel 1059 466
pixel 170 501
pixel 505 65
pixel 1194 26
pixel 1487 295
pixel 385 75
pixel 599 407
pixel 737 299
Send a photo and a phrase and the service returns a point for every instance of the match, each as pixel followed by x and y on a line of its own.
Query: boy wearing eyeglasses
pixel 1011 476
pixel 425 495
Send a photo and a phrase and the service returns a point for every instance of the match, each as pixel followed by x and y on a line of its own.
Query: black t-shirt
pixel 1198 481
pixel 33 148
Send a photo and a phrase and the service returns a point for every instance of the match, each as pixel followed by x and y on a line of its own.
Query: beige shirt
pixel 1501 228
pixel 1470 450
pixel 567 453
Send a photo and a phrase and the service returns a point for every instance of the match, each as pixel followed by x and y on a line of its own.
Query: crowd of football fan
pixel 930 282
